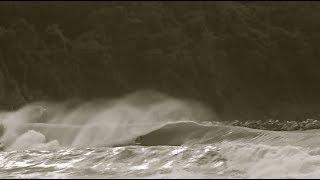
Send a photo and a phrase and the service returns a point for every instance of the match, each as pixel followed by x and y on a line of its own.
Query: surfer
pixel 1 147
pixel 137 141
pixel 1 130
pixel 1 134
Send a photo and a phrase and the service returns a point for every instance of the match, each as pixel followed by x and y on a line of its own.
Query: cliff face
pixel 244 59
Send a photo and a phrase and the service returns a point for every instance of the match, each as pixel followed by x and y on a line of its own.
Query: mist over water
pixel 96 139
pixel 95 124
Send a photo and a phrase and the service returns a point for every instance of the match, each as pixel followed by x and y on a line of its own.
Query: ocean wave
pixel 180 133
pixel 114 122
pixel 220 160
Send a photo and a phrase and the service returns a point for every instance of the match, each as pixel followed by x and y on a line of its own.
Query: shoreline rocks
pixel 276 125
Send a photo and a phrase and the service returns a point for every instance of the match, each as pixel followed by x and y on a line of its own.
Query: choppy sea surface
pixel 211 152
pixel 157 140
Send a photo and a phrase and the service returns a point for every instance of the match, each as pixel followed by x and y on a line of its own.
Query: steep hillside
pixel 246 60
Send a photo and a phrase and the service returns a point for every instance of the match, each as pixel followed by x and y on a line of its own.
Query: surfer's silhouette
pixel 1 147
pixel 137 141
pixel 1 130
pixel 1 134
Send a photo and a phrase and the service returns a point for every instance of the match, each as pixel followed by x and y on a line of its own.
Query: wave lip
pixel 189 132
pixel 109 122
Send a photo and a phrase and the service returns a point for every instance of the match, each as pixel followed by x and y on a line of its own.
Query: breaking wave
pixel 182 133
pixel 147 135
pixel 95 124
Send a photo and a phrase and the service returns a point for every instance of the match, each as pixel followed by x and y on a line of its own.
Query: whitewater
pixel 146 135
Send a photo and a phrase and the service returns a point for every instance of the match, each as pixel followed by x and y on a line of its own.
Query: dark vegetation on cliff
pixel 246 60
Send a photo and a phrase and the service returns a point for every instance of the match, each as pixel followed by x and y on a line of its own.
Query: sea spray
pixel 33 140
pixel 100 123
pixel 94 139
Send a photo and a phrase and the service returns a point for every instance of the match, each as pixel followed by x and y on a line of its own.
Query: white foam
pixel 96 123
pixel 33 140
pixel 264 161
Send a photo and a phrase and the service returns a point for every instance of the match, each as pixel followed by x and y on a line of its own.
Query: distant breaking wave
pixel 100 123
pixel 146 118
pixel 190 133
pixel 147 135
